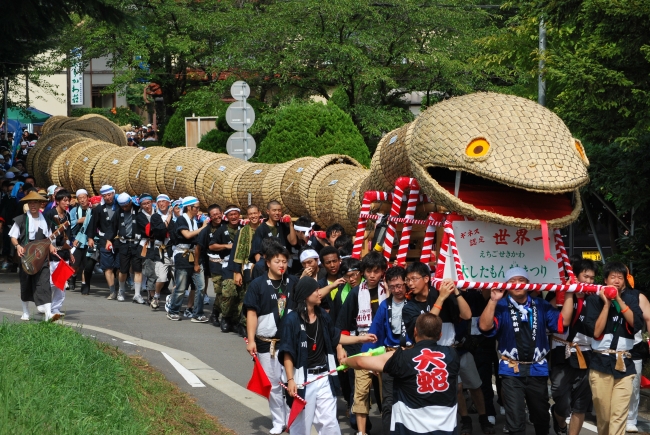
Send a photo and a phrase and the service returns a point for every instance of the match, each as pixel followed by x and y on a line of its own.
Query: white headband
pixel 308 253
pixel 231 209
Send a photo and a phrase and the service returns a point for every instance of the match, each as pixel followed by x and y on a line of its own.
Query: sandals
pixel 486 427
pixel 465 425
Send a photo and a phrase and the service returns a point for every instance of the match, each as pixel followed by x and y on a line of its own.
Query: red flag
pixel 645 382
pixel 259 382
pixel 296 408
pixel 61 274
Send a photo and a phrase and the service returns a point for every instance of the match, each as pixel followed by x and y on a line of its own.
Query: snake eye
pixel 581 152
pixel 477 148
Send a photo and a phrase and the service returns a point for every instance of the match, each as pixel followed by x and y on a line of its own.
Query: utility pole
pixel 6 90
pixel 541 83
pixel 26 86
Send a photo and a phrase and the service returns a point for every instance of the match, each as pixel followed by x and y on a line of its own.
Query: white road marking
pixel 206 373
pixel 128 342
pixel 190 377
pixel 589 426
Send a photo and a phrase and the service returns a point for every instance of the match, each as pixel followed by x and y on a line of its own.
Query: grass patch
pixel 54 380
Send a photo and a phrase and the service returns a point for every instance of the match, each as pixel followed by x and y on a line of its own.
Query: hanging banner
pixel 77 79
pixel 488 250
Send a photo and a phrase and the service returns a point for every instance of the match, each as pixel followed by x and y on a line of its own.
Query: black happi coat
pixel 51 217
pixel 262 298
pixel 424 396
pixel 152 230
pixel 294 343
pixel 617 335
pixel 104 219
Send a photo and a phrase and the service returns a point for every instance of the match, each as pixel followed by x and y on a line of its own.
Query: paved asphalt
pixel 224 353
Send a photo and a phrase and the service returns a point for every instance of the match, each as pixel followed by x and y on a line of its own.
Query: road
pixel 217 364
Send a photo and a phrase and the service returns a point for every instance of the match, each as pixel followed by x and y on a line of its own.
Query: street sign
pixel 592 255
pixel 240 90
pixel 240 115
pixel 241 145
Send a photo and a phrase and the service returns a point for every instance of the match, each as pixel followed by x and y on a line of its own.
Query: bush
pixel 206 102
pixel 215 141
pixel 122 115
pixel 312 129
pixel 174 134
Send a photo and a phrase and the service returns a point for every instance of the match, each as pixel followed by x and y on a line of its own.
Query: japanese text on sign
pixel 488 250
pixel 77 79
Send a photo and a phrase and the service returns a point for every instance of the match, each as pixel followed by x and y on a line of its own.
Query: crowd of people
pixel 305 305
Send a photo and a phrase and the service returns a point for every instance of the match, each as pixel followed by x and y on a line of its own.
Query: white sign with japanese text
pixel 488 250
pixel 77 79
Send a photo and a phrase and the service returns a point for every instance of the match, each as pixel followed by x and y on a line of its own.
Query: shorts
pixel 468 374
pixel 162 269
pixel 149 271
pixel 362 385
pixel 570 389
pixel 108 260
pixel 129 255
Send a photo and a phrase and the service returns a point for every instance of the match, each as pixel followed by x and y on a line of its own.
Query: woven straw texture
pixel 290 187
pixel 272 185
pixel 156 171
pixel 57 169
pixel 107 170
pixel 139 168
pixel 71 155
pixel 350 193
pixel 96 160
pixel 378 181
pixel 529 148
pixel 321 200
pixel 58 145
pixel 123 183
pixel 391 160
pixel 52 123
pixel 99 125
pixel 317 165
pixel 43 147
pixel 246 182
pixel 182 170
pixel 212 176
pixel 78 167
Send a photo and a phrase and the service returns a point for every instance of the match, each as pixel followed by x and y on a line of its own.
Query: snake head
pixel 517 160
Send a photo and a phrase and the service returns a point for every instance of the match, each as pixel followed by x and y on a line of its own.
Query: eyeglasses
pixel 350 275
pixel 395 287
pixel 413 279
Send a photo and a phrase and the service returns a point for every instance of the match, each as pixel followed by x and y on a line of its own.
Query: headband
pixel 106 189
pixel 123 198
pixel 231 209
pixel 302 229
pixel 162 197
pixel 308 253
pixel 189 200
pixel 82 192
pixel 145 196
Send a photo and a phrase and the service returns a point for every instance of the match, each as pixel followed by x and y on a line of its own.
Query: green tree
pixel 598 81
pixel 312 129
pixel 374 53
pixel 176 44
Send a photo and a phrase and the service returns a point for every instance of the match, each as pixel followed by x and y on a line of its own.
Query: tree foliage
pixel 598 81
pixel 374 53
pixel 312 129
